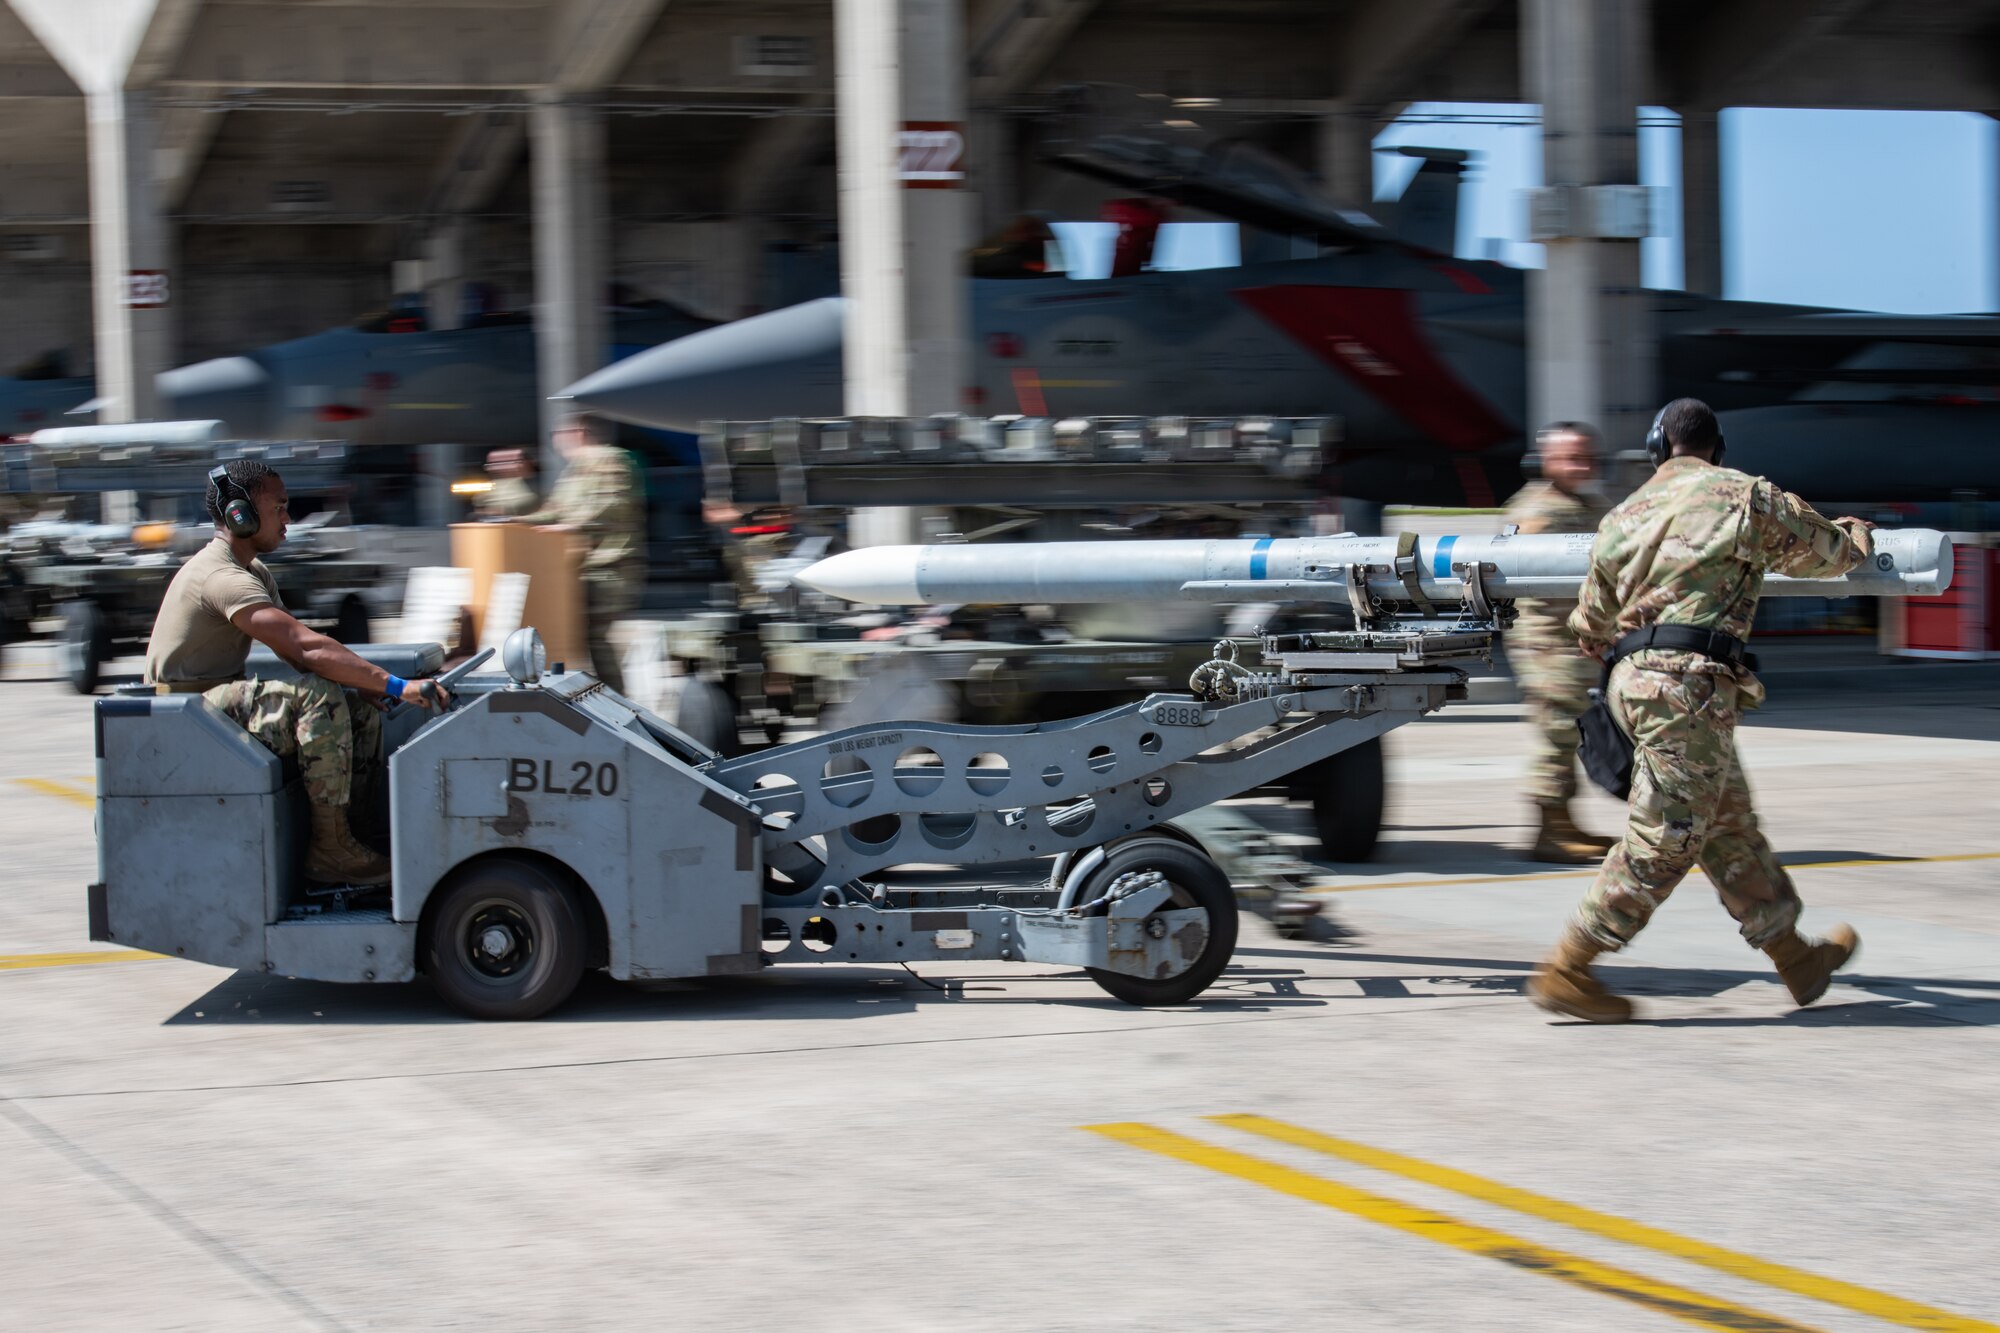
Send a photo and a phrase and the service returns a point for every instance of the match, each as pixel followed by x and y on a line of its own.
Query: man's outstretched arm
pixel 317 654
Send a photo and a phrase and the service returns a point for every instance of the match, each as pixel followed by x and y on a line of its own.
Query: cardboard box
pixel 551 560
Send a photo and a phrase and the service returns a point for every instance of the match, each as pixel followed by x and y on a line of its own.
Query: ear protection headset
pixel 239 514
pixel 1659 448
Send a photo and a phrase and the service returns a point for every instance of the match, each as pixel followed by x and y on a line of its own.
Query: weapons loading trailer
pixel 753 672
pixel 548 824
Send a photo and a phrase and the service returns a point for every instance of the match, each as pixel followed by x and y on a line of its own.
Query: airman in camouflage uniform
pixel 1691 547
pixel 309 719
pixel 599 495
pixel 1554 678
pixel 513 494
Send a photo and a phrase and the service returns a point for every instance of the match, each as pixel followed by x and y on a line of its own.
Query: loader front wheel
pixel 506 940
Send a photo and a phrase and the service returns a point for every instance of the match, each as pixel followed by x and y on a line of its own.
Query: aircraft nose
pixel 783 364
pixel 234 389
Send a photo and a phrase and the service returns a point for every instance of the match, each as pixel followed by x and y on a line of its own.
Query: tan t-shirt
pixel 192 637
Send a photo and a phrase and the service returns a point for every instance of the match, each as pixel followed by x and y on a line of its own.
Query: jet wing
pixel 1856 327
pixel 1199 179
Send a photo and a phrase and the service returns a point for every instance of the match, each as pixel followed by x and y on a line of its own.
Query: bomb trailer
pixel 546 825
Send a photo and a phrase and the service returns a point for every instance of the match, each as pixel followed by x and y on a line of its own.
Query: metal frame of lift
pixel 840 807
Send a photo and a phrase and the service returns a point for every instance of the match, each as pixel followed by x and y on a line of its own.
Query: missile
pixel 1908 562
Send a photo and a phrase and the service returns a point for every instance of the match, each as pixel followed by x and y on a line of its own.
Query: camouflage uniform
pixel 1554 677
pixel 309 718
pixel 510 497
pixel 1691 547
pixel 600 496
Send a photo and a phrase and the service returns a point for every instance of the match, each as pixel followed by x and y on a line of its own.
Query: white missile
pixel 1908 562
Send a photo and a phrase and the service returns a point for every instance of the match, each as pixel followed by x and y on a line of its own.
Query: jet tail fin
pixel 1427 214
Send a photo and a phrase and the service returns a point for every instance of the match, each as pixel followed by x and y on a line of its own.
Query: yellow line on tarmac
pixel 1648 1293
pixel 1862 1300
pixel 1532 878
pixel 62 791
pixel 11 962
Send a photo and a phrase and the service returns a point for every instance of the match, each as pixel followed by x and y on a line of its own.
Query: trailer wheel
pixel 1346 791
pixel 86 645
pixel 1195 881
pixel 507 940
pixel 351 624
pixel 708 714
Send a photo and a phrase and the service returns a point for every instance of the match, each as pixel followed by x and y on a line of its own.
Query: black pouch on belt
pixel 1603 746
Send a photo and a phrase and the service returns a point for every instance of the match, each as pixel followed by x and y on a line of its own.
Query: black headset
pixel 239 515
pixel 1659 448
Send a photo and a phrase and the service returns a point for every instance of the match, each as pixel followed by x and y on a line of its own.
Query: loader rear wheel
pixel 1195 881
pixel 506 940
pixel 350 626
pixel 707 713
pixel 86 644
pixel 1346 791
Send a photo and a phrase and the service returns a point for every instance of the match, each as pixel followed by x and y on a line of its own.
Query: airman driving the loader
pixel 223 598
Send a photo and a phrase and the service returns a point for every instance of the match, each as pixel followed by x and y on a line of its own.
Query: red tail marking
pixel 1469 283
pixel 1370 335
pixel 1028 391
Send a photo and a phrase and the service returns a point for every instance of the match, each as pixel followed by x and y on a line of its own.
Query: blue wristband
pixel 396 686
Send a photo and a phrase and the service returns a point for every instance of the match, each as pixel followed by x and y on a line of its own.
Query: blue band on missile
pixel 1260 555
pixel 1441 558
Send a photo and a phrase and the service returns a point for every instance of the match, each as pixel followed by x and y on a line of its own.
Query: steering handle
pixel 429 688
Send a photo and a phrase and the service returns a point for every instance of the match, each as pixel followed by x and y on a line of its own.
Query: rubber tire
pixel 707 713
pixel 1199 878
pixel 560 929
pixel 1346 791
pixel 350 626
pixel 86 641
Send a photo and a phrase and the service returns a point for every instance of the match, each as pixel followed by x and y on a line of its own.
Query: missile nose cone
pixel 882 575
pixel 783 364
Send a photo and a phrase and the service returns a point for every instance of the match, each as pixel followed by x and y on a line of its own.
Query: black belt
pixel 1726 648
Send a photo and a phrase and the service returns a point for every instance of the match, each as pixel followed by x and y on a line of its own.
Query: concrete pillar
pixel 1701 202
pixel 1344 143
pixel 1592 351
pixel 572 251
pixel 903 217
pixel 132 285
pixel 444 275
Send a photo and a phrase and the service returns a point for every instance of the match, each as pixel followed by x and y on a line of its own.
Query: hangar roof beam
pixel 1385 49
pixel 593 40
pixel 1014 42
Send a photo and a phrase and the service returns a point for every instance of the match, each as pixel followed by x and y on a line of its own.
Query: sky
pixel 1864 210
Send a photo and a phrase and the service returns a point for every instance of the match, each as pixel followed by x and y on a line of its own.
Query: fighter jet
pixel 386 380
pixel 1421 355
pixel 39 392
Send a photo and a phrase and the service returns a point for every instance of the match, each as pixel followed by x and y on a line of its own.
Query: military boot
pixel 1807 966
pixel 1560 843
pixel 1569 832
pixel 1563 983
pixel 334 857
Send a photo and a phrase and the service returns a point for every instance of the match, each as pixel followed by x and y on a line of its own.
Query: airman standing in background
pixel 1554 680
pixel 513 492
pixel 598 496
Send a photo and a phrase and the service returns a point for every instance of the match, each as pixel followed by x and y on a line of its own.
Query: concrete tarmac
pixel 1005 1148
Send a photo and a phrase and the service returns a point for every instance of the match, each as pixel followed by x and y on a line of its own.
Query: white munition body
pixel 1908 562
